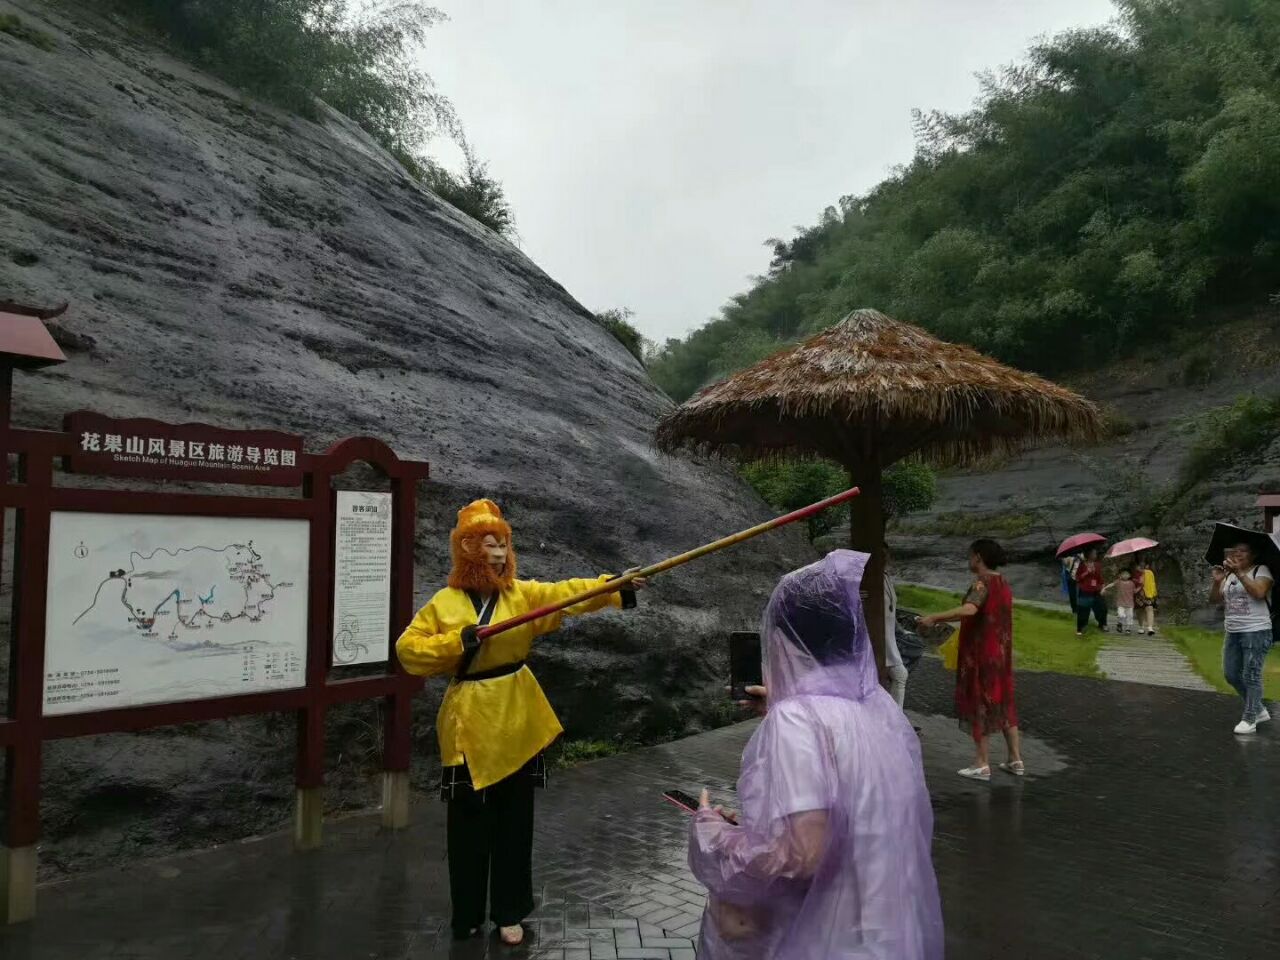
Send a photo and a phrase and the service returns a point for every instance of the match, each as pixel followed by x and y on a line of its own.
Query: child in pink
pixel 1124 588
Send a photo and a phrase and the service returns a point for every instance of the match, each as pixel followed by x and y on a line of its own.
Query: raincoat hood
pixel 814 636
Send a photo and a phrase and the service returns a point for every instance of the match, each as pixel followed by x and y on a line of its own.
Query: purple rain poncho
pixel 832 855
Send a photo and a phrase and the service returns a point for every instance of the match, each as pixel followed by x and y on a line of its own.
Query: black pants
pixel 1087 603
pixel 491 852
pixel 1073 597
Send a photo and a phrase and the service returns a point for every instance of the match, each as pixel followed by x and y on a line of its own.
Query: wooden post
pixel 866 534
pixel 17 884
pixel 308 818
pixel 395 799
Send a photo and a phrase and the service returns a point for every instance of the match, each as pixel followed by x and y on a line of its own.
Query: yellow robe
pixel 496 726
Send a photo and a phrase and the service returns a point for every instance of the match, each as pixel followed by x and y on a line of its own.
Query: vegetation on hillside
pixel 618 322
pixel 13 25
pixel 358 60
pixel 1107 187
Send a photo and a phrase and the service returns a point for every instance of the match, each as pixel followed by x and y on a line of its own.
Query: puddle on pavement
pixel 947 748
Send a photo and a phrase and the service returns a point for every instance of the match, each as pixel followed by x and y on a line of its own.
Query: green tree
pixel 1117 179
pixel 359 60
pixel 791 484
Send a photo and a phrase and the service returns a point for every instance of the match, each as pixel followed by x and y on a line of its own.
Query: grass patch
pixel 1043 640
pixel 12 24
pixel 960 524
pixel 570 753
pixel 1204 649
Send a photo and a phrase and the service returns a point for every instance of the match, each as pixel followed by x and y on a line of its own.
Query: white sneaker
pixel 1263 717
pixel 1244 726
pixel 976 773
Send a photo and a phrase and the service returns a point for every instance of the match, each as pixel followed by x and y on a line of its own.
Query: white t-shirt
pixel 892 658
pixel 1244 612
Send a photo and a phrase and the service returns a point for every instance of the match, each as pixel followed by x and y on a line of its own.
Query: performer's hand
pixel 469 639
pixel 639 583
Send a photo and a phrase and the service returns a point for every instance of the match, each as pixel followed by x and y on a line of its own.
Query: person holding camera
pixel 1242 587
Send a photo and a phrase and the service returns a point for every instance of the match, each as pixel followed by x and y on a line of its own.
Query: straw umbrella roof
pixel 870 391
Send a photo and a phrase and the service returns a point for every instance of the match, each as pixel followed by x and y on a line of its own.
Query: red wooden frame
pixel 35 496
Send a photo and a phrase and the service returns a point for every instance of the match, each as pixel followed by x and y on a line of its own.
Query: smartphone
pixel 681 800
pixel 745 667
pixel 686 802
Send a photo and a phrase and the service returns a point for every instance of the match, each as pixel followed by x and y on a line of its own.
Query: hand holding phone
pixel 691 805
pixel 746 667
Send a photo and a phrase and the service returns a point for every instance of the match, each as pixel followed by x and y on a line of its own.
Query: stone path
pixel 1144 829
pixel 1135 658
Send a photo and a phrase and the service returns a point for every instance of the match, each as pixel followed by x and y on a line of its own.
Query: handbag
pixel 950 651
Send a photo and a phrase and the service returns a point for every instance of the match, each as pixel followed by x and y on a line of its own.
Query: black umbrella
pixel 1266 546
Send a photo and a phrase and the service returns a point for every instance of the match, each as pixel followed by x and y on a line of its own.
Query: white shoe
pixel 1263 717
pixel 1244 726
pixel 976 773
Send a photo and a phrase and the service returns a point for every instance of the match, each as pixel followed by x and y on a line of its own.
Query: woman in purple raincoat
pixel 830 857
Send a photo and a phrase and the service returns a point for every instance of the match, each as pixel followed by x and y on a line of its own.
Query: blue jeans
pixel 1243 655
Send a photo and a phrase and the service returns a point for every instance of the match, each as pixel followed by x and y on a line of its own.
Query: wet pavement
pixel 1144 829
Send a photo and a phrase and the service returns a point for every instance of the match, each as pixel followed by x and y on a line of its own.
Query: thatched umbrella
pixel 866 393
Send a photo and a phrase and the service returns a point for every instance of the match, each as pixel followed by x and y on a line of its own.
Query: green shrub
pixel 1198 370
pixel 1116 424
pixel 618 323
pixel 359 59
pixel 791 484
pixel 1228 434
pixel 475 193
pixel 998 525
pixel 570 753
pixel 294 52
pixel 12 24
pixel 908 488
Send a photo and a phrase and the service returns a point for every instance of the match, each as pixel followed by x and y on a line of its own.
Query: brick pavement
pixel 1144 830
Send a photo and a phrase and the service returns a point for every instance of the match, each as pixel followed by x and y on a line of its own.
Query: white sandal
pixel 512 936
pixel 976 773
pixel 1015 767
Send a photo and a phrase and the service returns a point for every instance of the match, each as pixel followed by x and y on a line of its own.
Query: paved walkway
pixel 1155 660
pixel 1144 830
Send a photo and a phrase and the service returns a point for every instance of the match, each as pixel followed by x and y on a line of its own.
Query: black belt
pixel 503 671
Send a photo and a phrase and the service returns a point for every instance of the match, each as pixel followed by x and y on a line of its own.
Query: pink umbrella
pixel 1079 542
pixel 1126 547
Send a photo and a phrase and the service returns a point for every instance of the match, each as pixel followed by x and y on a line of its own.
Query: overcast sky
pixel 649 147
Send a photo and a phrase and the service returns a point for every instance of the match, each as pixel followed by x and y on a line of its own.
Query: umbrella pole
pixel 866 534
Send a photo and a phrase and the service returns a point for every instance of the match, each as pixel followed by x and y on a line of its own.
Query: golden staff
pixel 804 513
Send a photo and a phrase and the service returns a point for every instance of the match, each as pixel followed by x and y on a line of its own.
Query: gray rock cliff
pixel 226 262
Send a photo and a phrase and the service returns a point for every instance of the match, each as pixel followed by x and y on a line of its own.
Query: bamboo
pixel 804 513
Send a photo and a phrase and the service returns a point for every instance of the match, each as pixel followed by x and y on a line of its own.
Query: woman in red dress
pixel 984 671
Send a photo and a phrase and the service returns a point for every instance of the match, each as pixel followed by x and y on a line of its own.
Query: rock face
pixel 228 263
